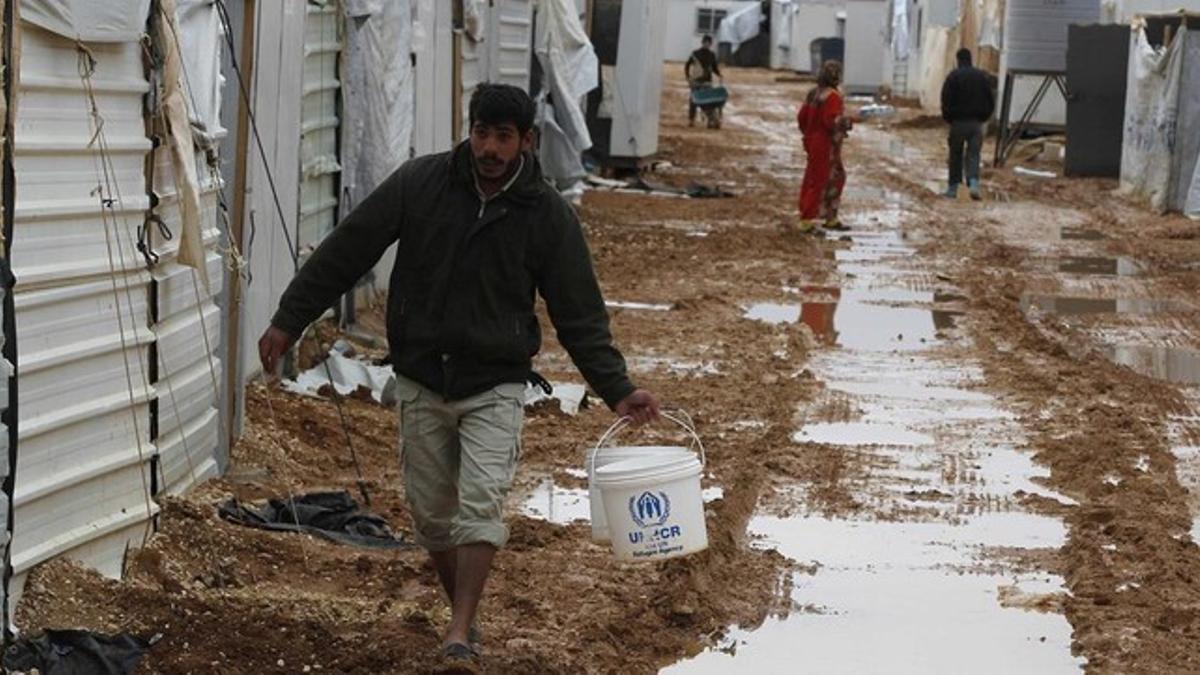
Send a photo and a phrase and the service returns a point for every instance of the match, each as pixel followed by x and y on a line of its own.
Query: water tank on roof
pixel 1035 32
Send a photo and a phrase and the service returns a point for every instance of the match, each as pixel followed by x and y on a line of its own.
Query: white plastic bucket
pixel 603 457
pixel 652 503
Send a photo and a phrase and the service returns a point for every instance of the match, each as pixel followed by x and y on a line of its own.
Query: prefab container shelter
pixel 114 231
pixel 866 33
pixel 794 26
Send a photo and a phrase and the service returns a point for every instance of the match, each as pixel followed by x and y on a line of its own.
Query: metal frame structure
pixel 1007 138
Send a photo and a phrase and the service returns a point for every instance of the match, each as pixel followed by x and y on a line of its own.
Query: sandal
pixel 458 658
pixel 475 639
pixel 836 226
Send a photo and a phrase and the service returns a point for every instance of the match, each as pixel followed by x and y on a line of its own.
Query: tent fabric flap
pixel 571 69
pixel 179 139
pixel 1151 115
pixel 89 20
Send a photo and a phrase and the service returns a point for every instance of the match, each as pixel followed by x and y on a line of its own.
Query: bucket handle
pixel 677 416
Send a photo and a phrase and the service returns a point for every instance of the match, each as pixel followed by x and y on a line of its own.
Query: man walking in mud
pixel 479 232
pixel 967 104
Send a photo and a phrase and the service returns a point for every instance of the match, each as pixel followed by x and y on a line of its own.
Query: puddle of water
pixel 906 390
pixel 557 504
pixel 934 619
pixel 649 306
pixel 1073 306
pixel 1013 471
pixel 1072 233
pixel 860 433
pixel 1173 364
pixel 858 323
pixel 649 364
pixel 1187 468
pixel 1099 266
pixel 773 313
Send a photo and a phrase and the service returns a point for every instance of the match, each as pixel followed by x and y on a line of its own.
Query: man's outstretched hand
pixel 273 344
pixel 641 406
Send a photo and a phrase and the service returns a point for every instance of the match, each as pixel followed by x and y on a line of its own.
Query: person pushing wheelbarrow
pixel 699 71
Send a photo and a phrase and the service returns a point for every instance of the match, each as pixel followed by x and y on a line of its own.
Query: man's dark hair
pixel 706 40
pixel 964 57
pixel 497 104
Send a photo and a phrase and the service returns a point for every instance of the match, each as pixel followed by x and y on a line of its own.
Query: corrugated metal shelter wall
pixel 319 123
pixel 188 322
pixel 83 475
pixel 511 37
pixel 188 335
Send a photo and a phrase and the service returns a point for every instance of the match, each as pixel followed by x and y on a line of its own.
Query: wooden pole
pixel 456 91
pixel 237 225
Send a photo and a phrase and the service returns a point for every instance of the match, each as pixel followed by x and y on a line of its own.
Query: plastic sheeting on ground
pixel 1161 138
pixel 76 652
pixel 331 515
pixel 89 20
pixel 570 397
pixel 349 376
pixel 377 95
pixel 570 70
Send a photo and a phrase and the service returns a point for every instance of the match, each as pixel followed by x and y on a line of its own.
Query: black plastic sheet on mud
pixel 76 652
pixel 331 515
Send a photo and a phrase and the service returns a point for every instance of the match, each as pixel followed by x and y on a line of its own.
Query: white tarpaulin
pixel 200 41
pixel 741 26
pixel 377 95
pixel 1160 145
pixel 571 71
pixel 89 20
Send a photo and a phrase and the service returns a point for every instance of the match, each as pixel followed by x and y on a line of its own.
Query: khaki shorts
pixel 459 458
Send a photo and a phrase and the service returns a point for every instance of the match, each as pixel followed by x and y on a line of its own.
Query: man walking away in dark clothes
pixel 967 104
pixel 699 71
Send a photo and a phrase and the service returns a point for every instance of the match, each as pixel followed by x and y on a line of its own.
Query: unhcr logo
pixel 650 509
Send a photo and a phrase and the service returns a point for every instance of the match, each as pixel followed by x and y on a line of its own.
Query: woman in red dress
pixel 823 121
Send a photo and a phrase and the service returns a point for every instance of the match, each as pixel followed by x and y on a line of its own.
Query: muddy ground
pixel 228 599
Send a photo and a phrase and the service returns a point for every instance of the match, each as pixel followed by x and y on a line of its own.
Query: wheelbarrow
pixel 710 100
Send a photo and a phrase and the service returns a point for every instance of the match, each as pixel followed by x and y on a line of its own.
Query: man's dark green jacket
pixel 460 314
